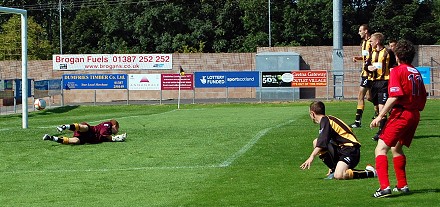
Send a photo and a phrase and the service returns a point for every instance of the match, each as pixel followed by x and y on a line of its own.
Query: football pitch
pixel 202 155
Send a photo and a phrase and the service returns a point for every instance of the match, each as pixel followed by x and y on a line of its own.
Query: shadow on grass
pixel 426 136
pixel 58 110
pixel 420 191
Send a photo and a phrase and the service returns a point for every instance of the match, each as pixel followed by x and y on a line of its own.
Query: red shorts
pixel 400 127
pixel 87 137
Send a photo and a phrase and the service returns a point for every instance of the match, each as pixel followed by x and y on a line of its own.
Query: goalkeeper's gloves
pixel 119 137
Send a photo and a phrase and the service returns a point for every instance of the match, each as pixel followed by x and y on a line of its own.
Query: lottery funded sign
pixel 230 79
pixel 112 61
pixel 309 78
pixel 171 81
pixel 94 81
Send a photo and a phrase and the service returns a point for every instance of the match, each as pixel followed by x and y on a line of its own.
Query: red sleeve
pixel 394 84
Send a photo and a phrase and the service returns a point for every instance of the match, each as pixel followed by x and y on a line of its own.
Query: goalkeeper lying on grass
pixel 85 133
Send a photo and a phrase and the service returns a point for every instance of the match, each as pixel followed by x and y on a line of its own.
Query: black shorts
pixel 379 92
pixel 365 82
pixel 350 155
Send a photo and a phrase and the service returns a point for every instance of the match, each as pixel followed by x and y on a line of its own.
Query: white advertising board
pixel 144 82
pixel 113 62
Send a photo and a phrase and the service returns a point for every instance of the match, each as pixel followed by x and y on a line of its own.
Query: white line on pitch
pixel 113 169
pixel 250 144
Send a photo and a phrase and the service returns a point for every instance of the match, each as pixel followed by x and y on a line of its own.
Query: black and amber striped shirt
pixel 334 130
pixel 366 53
pixel 382 59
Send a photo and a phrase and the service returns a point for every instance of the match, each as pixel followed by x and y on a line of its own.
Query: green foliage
pixel 200 155
pixel 223 25
pixel 408 19
pixel 38 45
pixel 188 49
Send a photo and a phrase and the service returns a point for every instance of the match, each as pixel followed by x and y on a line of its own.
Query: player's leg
pixel 382 169
pixel 328 158
pixel 382 98
pixel 74 127
pixel 62 140
pixel 408 125
pixel 399 162
pixel 349 158
pixel 381 124
pixel 360 107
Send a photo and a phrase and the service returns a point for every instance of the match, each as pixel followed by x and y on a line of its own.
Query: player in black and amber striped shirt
pixel 365 83
pixel 336 145
pixel 381 61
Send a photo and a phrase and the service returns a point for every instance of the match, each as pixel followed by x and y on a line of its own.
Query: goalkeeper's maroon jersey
pixel 406 83
pixel 96 134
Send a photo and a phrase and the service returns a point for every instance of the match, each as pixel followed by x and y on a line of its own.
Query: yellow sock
pixel 350 173
pixel 65 140
pixel 76 126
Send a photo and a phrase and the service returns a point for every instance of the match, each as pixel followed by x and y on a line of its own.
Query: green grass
pixel 201 155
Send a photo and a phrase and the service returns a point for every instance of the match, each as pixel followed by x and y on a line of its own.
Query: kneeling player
pixel 337 146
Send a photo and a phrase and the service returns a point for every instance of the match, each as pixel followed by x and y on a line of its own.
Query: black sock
pixel 359 113
pixel 60 140
pixel 382 124
pixel 360 174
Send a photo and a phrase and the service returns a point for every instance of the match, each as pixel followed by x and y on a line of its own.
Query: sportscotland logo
pixel 158 65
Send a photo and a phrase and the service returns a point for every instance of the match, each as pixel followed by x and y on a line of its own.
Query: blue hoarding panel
pixel 41 85
pixel 226 79
pixel 426 74
pixel 18 87
pixel 95 81
pixel 54 84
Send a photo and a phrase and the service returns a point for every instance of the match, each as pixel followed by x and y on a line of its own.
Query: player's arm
pixel 357 58
pixel 308 162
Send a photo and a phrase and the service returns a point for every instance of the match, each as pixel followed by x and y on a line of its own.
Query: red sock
pixel 399 167
pixel 382 171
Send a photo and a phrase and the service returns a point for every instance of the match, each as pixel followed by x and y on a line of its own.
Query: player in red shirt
pixel 407 97
pixel 85 133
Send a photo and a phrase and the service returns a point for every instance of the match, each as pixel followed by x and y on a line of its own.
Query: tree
pixel 315 22
pixel 85 33
pixel 406 19
pixel 39 47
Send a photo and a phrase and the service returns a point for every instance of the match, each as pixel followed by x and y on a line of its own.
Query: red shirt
pixel 102 130
pixel 96 134
pixel 406 83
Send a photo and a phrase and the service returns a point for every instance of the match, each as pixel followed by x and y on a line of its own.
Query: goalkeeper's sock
pixel 56 139
pixel 63 140
pixel 73 127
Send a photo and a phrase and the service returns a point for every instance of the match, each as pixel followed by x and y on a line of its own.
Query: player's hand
pixel 372 68
pixel 354 59
pixel 307 163
pixel 375 122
